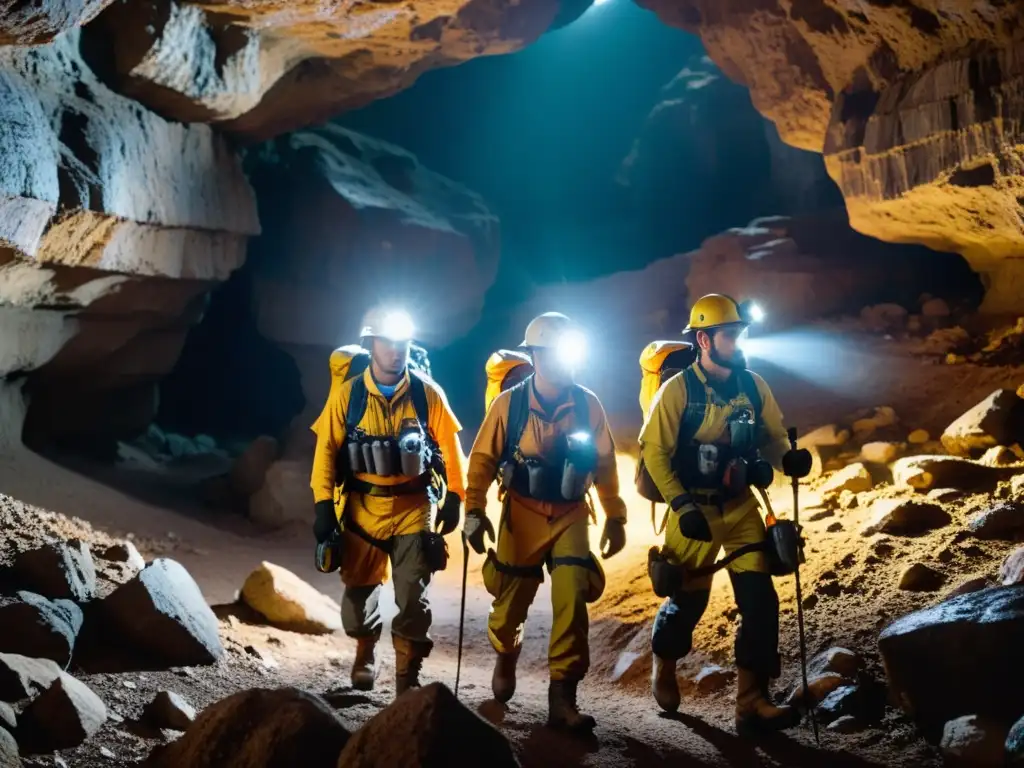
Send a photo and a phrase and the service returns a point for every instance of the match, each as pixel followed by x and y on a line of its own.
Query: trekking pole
pixel 462 610
pixel 808 696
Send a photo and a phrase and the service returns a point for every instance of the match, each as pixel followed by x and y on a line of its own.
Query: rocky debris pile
pixel 998 420
pixel 288 602
pixel 929 320
pixel 1003 345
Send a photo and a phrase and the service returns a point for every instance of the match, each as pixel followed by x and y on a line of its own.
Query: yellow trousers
pixel 526 538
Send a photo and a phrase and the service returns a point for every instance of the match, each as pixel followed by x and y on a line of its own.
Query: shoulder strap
pixel 582 408
pixel 696 404
pixel 418 392
pixel 518 414
pixel 356 404
pixel 358 365
pixel 749 387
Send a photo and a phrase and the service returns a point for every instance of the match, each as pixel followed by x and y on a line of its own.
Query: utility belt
pixel 712 466
pixel 329 553
pixel 493 570
pixel 410 454
pixel 568 479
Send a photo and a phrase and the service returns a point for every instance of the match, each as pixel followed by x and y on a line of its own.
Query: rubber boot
pixel 408 663
pixel 503 681
pixel 754 710
pixel 664 685
pixel 364 668
pixel 562 711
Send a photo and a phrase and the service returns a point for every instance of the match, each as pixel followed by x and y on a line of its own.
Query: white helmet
pixel 553 330
pixel 393 325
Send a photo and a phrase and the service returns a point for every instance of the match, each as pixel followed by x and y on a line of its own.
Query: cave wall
pixel 916 106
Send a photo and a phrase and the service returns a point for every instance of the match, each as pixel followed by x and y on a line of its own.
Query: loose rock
pixel 973 742
pixel 828 436
pixel 62 717
pixel 433 714
pixel 902 517
pixel 942 495
pixel 918 437
pixel 59 570
pixel 169 710
pixel 999 456
pixel 8 718
pixel 840 661
pixel 263 728
pixel 126 553
pixel 288 602
pixel 923 473
pixel 821 686
pixel 9 757
pixel 854 478
pixel 712 679
pixel 949 658
pixel 35 626
pixel 970 585
pixel 1015 745
pixel 843 701
pixel 22 677
pixel 162 613
pixel 1012 569
pixel 996 420
pixel 846 724
pixel 879 452
pixel 921 578
pixel 1003 521
pixel 883 417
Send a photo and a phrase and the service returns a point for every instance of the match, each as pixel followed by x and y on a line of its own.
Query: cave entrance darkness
pixel 230 383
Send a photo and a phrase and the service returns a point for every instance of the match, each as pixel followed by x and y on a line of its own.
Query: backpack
pixel 505 368
pixel 659 362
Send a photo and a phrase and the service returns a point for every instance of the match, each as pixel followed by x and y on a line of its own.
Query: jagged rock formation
pixel 34 23
pixel 915 104
pixel 267 67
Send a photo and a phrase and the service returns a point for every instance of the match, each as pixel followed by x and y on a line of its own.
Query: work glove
pixel 448 514
pixel 613 538
pixel 325 522
pixel 476 527
pixel 796 462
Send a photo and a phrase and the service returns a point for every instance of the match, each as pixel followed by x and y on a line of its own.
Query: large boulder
pixel 906 517
pixel 58 570
pixel 1015 745
pixel 418 728
pixel 924 473
pixel 169 710
pixel 287 601
pixel 35 626
pixel 854 478
pixel 162 614
pixel 259 728
pixel 957 658
pixel 996 420
pixel 63 716
pixel 23 676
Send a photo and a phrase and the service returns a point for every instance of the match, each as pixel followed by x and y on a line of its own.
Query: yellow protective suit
pixel 529 530
pixel 365 567
pixel 694 539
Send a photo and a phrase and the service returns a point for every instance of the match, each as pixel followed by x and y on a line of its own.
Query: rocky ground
pixel 897 522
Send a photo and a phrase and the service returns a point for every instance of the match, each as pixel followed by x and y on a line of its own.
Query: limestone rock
pixel 920 577
pixel 169 710
pixel 1005 520
pixel 1015 745
pixel 62 717
pixel 712 679
pixel 923 473
pixel 948 659
pixel 22 676
pixel 974 742
pixel 250 469
pixel 8 718
pixel 829 435
pixel 999 456
pixel 125 552
pixel 879 452
pixel 847 700
pixel 9 757
pixel 841 661
pixel 846 724
pixel 903 517
pixel 287 601
pixel 258 728
pixel 60 570
pixel 433 714
pixel 854 478
pixel 918 437
pixel 882 417
pixel 996 420
pixel 35 626
pixel 821 686
pixel 1012 569
pixel 162 613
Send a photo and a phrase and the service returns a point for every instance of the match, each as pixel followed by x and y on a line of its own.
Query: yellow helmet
pixel 714 311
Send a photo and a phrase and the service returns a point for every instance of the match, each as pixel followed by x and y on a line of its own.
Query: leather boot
pixel 408 663
pixel 663 683
pixel 364 668
pixel 562 711
pixel 755 711
pixel 503 681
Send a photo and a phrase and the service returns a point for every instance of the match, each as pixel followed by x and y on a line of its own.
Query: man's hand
pixel 326 522
pixel 448 514
pixel 613 538
pixel 796 462
pixel 476 527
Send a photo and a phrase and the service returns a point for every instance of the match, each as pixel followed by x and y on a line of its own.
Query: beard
pixel 737 362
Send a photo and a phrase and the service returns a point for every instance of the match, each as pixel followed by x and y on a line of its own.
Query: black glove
pixel 476 527
pixel 326 522
pixel 797 462
pixel 614 536
pixel 448 514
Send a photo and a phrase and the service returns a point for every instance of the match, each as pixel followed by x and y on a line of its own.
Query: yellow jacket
pixel 384 418
pixel 661 430
pixel 539 436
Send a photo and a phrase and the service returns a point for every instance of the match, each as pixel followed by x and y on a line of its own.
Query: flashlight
pixel 756 313
pixel 572 348
pixel 397 326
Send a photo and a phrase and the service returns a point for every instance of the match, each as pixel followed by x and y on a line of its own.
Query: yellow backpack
pixel 660 361
pixel 505 368
pixel 346 363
